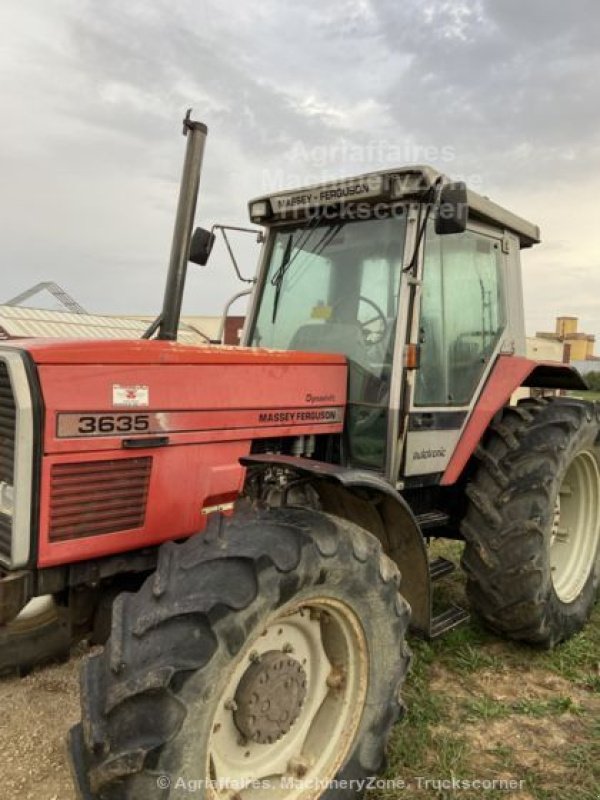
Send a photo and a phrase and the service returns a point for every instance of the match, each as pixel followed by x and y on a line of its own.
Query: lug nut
pixel 297 766
pixel 336 678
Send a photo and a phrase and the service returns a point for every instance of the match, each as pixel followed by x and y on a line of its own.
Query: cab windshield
pixel 332 287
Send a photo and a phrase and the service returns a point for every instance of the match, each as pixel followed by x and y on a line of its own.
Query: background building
pixel 577 346
pixel 18 322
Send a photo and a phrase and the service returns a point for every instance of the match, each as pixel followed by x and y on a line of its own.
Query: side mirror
pixel 453 209
pixel 201 246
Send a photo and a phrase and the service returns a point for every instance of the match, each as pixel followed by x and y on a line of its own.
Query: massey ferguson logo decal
pixel 130 396
pixel 299 416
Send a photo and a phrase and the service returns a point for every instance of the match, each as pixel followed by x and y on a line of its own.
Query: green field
pixel 593 396
pixel 482 708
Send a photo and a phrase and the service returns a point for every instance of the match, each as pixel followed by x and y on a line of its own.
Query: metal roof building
pixel 18 322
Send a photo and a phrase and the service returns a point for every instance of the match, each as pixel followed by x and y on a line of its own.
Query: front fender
pixel 370 502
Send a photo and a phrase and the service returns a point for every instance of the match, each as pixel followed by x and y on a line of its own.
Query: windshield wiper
pixel 287 259
pixel 277 279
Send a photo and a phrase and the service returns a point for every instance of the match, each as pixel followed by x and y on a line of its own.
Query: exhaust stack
pixel 186 208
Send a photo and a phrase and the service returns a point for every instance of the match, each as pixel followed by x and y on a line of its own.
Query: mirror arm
pixel 259 238
pixel 256 231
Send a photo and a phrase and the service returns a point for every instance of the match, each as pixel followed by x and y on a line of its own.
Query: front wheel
pixel 265 655
pixel 532 529
pixel 40 633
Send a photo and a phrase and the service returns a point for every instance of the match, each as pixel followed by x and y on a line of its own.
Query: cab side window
pixel 462 315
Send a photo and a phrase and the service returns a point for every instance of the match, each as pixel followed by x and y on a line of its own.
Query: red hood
pixel 144 351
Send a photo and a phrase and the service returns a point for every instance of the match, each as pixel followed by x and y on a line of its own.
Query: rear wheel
pixel 267 651
pixel 532 529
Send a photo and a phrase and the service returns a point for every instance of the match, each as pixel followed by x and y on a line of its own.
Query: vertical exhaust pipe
pixel 186 208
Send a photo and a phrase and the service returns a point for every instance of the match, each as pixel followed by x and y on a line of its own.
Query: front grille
pixel 8 424
pixel 5 536
pixel 8 414
pixel 95 497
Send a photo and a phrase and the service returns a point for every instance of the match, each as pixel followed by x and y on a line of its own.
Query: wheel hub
pixel 269 697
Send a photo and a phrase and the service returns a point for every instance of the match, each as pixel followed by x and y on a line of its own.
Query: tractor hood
pixel 187 394
pixel 143 351
pixel 141 440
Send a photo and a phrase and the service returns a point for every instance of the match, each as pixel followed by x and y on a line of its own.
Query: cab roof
pixel 390 185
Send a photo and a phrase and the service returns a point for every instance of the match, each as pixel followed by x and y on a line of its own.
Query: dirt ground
pixel 478 707
pixel 36 713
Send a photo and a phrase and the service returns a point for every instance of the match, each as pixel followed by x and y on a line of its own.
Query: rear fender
pixel 508 374
pixel 370 502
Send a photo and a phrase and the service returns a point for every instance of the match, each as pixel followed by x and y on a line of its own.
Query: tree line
pixel 593 380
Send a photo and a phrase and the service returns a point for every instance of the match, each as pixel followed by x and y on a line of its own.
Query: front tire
pixel 292 599
pixel 532 527
pixel 39 634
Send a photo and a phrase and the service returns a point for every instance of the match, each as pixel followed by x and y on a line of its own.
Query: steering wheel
pixel 376 335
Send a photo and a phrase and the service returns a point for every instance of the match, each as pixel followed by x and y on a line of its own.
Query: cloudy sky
pixel 503 92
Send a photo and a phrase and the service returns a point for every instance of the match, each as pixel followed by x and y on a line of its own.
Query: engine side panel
pixel 138 454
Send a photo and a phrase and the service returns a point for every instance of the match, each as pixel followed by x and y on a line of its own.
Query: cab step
pixel 440 567
pixel 432 519
pixel 449 619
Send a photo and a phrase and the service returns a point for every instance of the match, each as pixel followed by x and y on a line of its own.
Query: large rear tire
pixel 532 527
pixel 269 648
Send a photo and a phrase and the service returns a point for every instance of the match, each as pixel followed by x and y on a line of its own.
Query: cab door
pixel 462 320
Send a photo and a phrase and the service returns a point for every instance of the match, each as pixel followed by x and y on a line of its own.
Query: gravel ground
pixel 477 707
pixel 36 713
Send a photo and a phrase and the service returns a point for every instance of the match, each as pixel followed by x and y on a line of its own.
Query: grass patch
pixel 586 395
pixel 580 656
pixel 489 708
pixel 483 708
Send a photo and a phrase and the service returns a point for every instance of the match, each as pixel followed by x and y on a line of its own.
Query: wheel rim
pixel 576 527
pixel 36 613
pixel 301 684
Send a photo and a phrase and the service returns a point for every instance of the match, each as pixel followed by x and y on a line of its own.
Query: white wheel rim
pixel 576 527
pixel 325 637
pixel 37 612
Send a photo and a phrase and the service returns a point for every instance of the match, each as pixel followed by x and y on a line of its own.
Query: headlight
pixel 260 210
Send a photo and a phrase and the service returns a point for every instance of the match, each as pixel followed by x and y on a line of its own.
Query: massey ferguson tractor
pixel 258 518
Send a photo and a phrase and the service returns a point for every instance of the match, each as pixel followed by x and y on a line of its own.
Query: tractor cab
pixel 410 277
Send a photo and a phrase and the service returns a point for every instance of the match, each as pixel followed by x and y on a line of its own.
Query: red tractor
pixel 247 512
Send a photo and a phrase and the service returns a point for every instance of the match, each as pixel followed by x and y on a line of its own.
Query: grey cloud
pixel 290 91
pixel 498 75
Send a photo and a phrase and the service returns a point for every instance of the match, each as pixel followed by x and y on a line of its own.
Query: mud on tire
pixel 149 700
pixel 517 579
